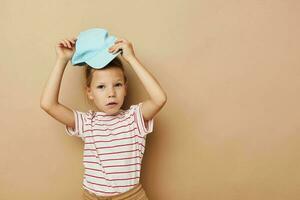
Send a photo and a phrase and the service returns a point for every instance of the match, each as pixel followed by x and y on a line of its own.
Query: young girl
pixel 114 139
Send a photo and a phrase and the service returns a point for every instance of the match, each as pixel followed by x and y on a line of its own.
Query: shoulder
pixel 84 116
pixel 133 108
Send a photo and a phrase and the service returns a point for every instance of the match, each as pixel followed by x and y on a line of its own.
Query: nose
pixel 111 92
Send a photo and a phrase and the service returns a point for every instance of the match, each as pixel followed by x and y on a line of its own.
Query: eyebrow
pixel 104 83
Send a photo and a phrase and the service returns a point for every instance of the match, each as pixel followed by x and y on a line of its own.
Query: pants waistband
pixel 126 195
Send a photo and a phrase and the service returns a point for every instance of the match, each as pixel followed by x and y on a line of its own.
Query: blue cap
pixel 92 48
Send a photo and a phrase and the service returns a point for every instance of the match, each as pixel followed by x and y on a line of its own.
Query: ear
pixel 89 93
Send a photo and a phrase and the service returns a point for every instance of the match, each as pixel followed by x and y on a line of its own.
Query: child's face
pixel 107 85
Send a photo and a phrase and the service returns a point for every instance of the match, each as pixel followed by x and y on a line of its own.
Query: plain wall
pixel 230 129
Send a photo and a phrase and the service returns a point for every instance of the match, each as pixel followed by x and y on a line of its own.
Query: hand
pixel 66 48
pixel 125 46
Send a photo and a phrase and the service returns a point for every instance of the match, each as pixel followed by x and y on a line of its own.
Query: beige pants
pixel 136 193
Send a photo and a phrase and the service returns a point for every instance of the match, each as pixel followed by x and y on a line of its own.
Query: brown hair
pixel 116 62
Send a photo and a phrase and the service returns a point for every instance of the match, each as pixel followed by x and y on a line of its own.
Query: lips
pixel 111 104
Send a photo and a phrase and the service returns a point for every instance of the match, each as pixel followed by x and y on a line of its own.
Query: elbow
pixel 165 97
pixel 159 100
pixel 162 101
pixel 43 104
pixel 46 106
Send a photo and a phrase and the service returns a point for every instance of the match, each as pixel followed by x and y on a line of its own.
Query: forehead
pixel 107 75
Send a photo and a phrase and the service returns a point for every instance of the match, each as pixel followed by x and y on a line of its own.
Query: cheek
pixel 98 95
pixel 123 92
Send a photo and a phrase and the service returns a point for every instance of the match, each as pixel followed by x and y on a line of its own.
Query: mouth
pixel 112 104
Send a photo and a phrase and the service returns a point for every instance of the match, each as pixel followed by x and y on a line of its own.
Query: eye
pixel 119 84
pixel 100 86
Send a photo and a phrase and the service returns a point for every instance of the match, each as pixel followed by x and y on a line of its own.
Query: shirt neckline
pixel 104 113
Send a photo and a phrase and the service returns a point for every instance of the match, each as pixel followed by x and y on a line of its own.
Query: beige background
pixel 229 131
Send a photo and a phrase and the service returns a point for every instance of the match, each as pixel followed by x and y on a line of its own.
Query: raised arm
pixel 158 97
pixel 49 98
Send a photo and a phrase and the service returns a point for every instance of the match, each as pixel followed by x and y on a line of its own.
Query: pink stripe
pixel 108 185
pixel 86 156
pixel 119 127
pixel 95 169
pixel 112 123
pixel 122 158
pixel 115 139
pixel 120 179
pixel 103 185
pixel 122 165
pixel 122 114
pixel 114 158
pixel 100 190
pixel 91 162
pixel 90 156
pixel 124 172
pixel 108 134
pixel 115 152
pixel 107 129
pixel 121 145
pixel 110 117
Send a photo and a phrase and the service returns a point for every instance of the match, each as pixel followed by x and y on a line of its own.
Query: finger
pixel 117 49
pixel 118 41
pixel 116 46
pixel 68 43
pixel 74 40
pixel 72 43
pixel 121 40
pixel 63 43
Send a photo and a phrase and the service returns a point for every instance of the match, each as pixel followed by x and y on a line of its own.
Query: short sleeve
pixel 81 118
pixel 144 127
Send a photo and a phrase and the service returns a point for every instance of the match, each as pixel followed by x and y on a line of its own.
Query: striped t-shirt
pixel 113 148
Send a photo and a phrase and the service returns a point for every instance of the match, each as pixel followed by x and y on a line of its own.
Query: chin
pixel 113 111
